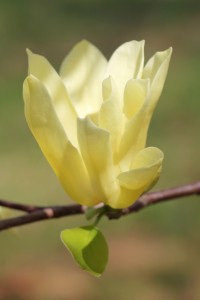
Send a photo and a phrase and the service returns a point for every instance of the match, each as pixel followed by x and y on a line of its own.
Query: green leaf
pixel 88 247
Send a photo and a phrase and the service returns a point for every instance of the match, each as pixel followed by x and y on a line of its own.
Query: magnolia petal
pixel 147 165
pixel 126 63
pixel 82 72
pixel 51 137
pixel 147 157
pixel 95 148
pixel 126 198
pixel 42 69
pixel 134 96
pixel 130 140
pixel 110 116
pixel 109 89
pixel 156 70
pixel 75 178
pixel 135 133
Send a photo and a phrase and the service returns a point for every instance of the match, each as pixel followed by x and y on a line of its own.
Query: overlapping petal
pixel 138 91
pixel 51 137
pixel 156 70
pixel 82 72
pixel 135 133
pixel 126 63
pixel 42 69
pixel 144 170
pixel 95 148
pixel 110 116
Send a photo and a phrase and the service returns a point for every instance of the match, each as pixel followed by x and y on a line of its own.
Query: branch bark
pixel 39 213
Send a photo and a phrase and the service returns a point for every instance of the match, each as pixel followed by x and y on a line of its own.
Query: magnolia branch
pixel 39 213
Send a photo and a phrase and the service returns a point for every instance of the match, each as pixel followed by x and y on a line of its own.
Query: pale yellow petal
pixel 96 152
pixel 134 96
pixel 145 166
pixel 42 69
pixel 126 198
pixel 110 116
pixel 109 89
pixel 156 70
pixel 146 169
pixel 126 63
pixel 135 133
pixel 53 141
pixel 130 140
pixel 82 72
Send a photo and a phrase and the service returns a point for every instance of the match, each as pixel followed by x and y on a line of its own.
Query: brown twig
pixel 19 206
pixel 39 213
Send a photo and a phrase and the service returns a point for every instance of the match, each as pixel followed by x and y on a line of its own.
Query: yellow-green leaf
pixel 88 247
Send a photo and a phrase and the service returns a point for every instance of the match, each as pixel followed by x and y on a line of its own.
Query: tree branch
pixel 39 213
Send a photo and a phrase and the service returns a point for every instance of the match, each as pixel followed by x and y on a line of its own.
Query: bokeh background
pixel 154 254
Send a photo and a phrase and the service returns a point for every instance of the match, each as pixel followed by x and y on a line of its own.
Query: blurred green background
pixel 154 254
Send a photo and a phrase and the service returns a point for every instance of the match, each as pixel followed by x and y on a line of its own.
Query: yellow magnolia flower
pixel 91 121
